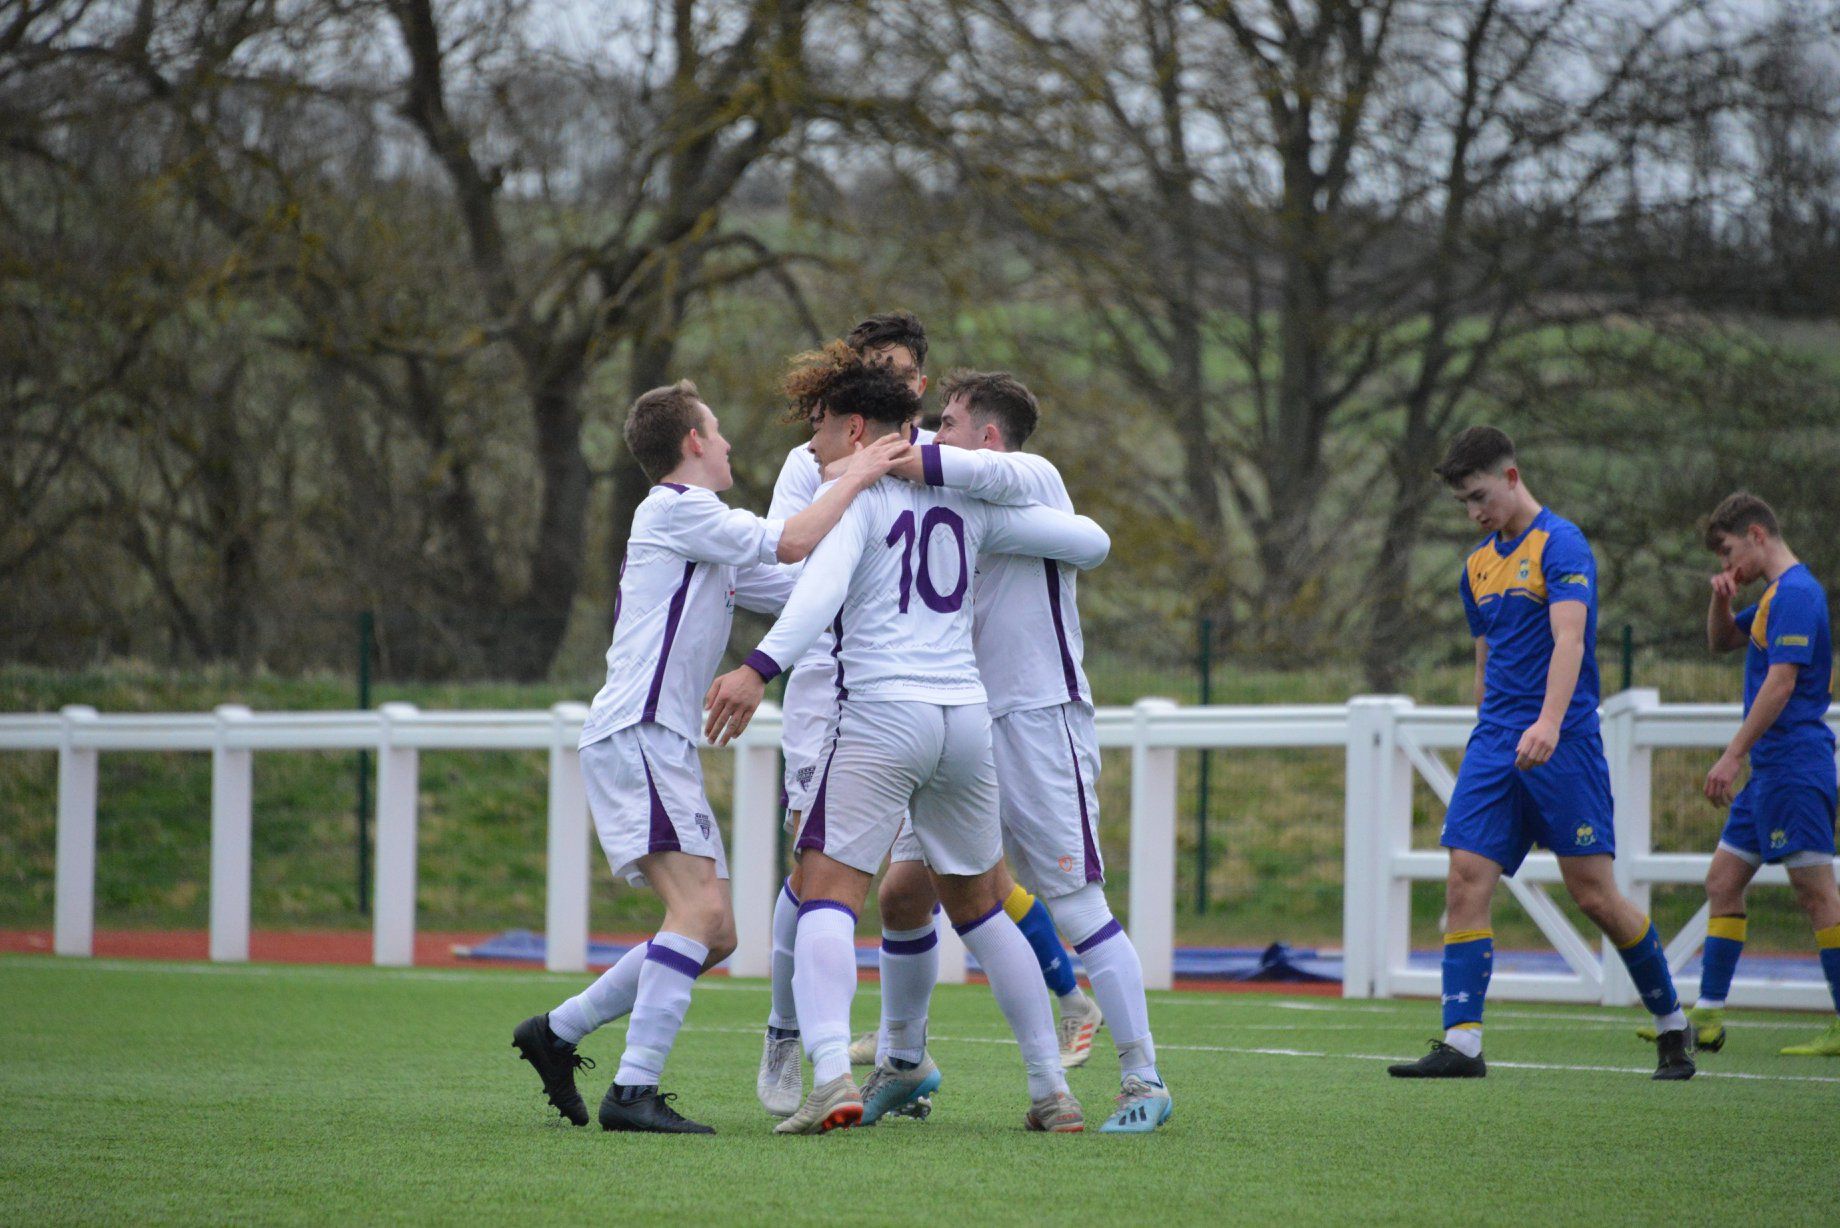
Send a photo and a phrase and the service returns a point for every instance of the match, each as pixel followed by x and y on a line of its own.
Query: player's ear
pixel 693 444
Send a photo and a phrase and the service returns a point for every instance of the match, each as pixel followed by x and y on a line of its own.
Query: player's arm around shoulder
pixel 806 529
pixel 1043 532
pixel 1012 479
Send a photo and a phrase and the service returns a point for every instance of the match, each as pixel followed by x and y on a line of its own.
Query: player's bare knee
pixel 968 897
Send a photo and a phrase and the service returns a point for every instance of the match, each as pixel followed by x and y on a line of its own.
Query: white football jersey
pixel 893 582
pixel 1027 623
pixel 689 560
pixel 794 490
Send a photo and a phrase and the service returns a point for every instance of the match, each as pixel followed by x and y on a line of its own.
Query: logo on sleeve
pixel 1578 578
pixel 1792 641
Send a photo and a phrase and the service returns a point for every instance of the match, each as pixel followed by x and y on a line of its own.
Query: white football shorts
pixel 892 755
pixel 645 791
pixel 809 710
pixel 1048 778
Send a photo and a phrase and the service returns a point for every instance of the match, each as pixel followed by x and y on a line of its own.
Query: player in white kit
pixel 908 956
pixel 893 583
pixel 1029 650
pixel 689 561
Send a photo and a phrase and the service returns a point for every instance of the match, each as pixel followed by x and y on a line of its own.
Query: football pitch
pixel 194 1092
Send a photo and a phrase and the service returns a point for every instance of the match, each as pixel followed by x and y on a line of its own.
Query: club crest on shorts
pixel 704 825
pixel 1585 835
pixel 1066 864
pixel 1778 838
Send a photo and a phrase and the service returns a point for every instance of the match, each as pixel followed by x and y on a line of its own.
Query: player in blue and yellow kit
pixel 1785 813
pixel 1534 770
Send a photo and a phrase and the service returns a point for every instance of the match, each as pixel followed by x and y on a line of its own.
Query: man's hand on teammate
pixel 1722 780
pixel 871 461
pixel 730 703
pixel 1537 744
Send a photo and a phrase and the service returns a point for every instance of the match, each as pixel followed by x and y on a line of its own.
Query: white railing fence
pixel 1388 741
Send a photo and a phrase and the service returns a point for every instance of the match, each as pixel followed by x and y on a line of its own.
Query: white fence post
pixel 1390 812
pixel 74 924
pixel 1370 720
pixel 565 899
pixel 1153 847
pixel 753 864
pixel 393 899
pixel 232 788
pixel 1632 784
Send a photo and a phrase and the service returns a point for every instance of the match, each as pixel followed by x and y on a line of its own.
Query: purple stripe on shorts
pixel 1072 675
pixel 787 888
pixel 671 619
pixel 1105 931
pixel 815 905
pixel 966 929
pixel 676 961
pixel 911 946
pixel 664 832
pixel 1093 872
pixel 811 832
pixel 930 468
pixel 762 664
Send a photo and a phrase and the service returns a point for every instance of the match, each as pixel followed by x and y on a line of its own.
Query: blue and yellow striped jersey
pixel 1507 588
pixel 1789 625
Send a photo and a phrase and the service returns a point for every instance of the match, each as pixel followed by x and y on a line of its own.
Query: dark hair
pixel 1476 449
pixel 657 423
pixel 873 391
pixel 999 397
pixel 1735 514
pixel 891 328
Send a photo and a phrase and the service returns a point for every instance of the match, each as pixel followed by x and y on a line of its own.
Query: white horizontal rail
pixel 1387 741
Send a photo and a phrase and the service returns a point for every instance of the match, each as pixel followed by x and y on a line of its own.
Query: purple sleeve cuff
pixel 763 665
pixel 930 466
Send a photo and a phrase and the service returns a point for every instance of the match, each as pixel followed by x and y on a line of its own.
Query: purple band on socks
pixel 813 905
pixel 966 929
pixel 1105 931
pixel 910 946
pixel 676 961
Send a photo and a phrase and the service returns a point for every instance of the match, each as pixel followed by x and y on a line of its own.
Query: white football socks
pixel 1015 978
pixel 910 968
pixel 1467 1041
pixel 784 1012
pixel 672 964
pixel 608 998
pixel 1116 973
pixel 823 984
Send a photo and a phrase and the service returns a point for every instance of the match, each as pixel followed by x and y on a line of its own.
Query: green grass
pixel 1274 825
pixel 184 1092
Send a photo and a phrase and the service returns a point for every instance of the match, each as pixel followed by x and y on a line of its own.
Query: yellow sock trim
pixel 1456 936
pixel 1828 938
pixel 1019 903
pixel 1648 923
pixel 1458 1027
pixel 1733 928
